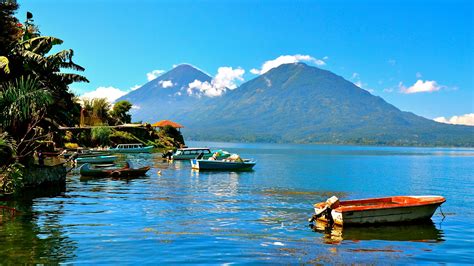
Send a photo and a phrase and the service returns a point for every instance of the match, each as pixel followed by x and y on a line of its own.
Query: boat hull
pixel 217 165
pixel 388 210
pixel 86 170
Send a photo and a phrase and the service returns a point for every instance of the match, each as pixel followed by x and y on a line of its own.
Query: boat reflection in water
pixel 420 232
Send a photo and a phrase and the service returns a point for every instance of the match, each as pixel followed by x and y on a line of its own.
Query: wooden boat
pixel 222 165
pixel 131 148
pixel 126 171
pixel 205 153
pixel 398 209
pixel 97 159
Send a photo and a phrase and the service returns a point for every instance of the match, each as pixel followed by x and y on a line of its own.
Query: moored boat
pixel 397 209
pixel 97 159
pixel 205 153
pixel 131 148
pixel 126 171
pixel 222 165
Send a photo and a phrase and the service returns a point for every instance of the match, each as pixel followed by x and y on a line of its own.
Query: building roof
pixel 164 123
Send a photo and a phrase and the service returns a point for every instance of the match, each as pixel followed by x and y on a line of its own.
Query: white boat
pixel 398 209
pixel 192 153
pixel 131 148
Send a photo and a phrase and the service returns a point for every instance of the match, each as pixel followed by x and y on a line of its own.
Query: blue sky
pixel 390 48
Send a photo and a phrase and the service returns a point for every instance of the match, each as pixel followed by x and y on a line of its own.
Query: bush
pixel 122 137
pixel 11 178
pixel 101 135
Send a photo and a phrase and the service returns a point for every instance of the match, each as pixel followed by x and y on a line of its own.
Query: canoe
pixel 97 159
pixel 222 165
pixel 127 171
pixel 131 148
pixel 397 209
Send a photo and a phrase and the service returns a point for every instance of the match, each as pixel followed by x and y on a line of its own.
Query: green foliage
pixel 22 101
pixel 120 112
pixel 101 135
pixel 11 178
pixel 7 149
pixel 120 137
pixel 84 138
pixel 169 136
pixel 97 109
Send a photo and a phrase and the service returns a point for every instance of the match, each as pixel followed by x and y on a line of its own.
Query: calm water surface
pixel 176 215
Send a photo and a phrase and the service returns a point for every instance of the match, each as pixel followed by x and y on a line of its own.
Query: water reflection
pixel 35 237
pixel 423 232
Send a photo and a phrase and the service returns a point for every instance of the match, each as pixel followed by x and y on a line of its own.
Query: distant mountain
pixel 162 97
pixel 302 104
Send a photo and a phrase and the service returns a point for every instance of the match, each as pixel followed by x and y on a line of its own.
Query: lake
pixel 177 215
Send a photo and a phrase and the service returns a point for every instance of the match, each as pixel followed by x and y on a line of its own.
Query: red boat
pixel 398 209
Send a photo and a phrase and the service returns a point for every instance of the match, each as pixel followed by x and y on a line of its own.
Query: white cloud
pixel 286 59
pixel 154 74
pixel 420 86
pixel 110 93
pixel 225 79
pixel 358 82
pixel 255 71
pixel 136 107
pixel 166 83
pixel 135 87
pixel 467 119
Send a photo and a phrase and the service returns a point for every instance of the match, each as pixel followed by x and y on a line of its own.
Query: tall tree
pixel 120 112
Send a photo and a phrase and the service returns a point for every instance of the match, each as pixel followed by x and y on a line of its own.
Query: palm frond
pixel 71 65
pixel 41 45
pixel 70 78
pixel 21 100
pixel 4 64
pixel 34 57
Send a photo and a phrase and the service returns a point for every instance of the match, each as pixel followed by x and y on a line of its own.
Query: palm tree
pixel 23 103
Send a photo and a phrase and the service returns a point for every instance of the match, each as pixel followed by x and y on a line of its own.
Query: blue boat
pixel 97 159
pixel 222 165
pixel 131 148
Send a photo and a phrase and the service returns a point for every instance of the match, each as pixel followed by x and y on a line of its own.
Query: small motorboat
pixel 97 159
pixel 222 165
pixel 131 148
pixel 202 153
pixel 126 171
pixel 398 209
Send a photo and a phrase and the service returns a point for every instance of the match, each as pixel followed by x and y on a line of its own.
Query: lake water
pixel 176 215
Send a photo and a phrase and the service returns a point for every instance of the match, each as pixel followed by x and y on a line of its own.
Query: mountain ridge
pixel 304 104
